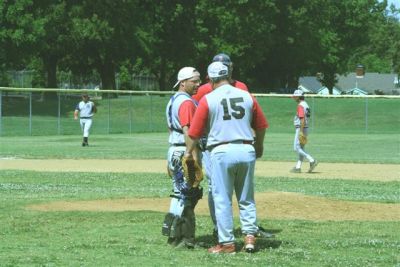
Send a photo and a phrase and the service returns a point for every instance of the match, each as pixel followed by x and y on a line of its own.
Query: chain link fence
pixel 50 112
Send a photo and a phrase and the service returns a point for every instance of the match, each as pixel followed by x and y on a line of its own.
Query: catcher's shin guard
pixel 166 227
pixel 194 195
pixel 176 228
pixel 188 225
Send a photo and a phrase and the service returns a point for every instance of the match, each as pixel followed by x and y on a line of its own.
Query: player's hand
pixel 259 150
pixel 188 156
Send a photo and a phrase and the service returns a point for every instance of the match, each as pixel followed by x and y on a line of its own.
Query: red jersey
pixel 207 88
pixel 186 112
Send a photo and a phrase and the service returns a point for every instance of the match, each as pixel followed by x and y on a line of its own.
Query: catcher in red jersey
pixel 179 223
pixel 230 116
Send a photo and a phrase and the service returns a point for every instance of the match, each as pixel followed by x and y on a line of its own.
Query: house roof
pixel 325 91
pixel 372 81
pixel 357 91
pixel 311 84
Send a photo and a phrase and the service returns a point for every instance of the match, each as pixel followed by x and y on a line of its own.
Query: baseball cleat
pixel 249 243
pixel 263 233
pixel 313 165
pixel 223 248
pixel 185 244
pixel 295 170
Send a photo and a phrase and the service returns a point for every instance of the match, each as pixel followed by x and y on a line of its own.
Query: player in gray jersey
pixel 301 118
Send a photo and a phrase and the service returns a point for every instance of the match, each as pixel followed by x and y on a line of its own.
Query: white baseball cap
pixel 217 69
pixel 186 73
pixel 298 93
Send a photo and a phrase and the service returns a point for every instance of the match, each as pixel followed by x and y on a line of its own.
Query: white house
pixel 356 91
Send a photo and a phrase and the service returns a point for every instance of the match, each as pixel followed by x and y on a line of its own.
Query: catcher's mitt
pixel 302 139
pixel 192 172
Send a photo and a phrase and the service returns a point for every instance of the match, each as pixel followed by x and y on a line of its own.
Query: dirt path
pixel 376 172
pixel 270 205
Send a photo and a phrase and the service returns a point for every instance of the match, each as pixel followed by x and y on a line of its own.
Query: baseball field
pixel 103 205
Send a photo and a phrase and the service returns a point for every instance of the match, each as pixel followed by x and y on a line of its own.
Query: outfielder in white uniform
pixel 179 224
pixel 85 109
pixel 230 114
pixel 303 114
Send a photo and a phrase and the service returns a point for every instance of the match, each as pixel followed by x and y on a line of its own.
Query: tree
pixel 167 38
pixel 104 35
pixel 19 33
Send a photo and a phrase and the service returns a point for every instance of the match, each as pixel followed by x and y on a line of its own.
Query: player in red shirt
pixel 301 121
pixel 207 88
pixel 231 117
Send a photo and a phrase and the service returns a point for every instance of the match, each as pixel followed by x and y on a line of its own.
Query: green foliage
pixel 271 42
pixel 125 77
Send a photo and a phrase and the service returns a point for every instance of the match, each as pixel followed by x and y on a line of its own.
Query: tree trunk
pixel 292 82
pixel 107 76
pixel 106 70
pixel 50 67
pixel 330 81
pixel 162 77
pixel 51 70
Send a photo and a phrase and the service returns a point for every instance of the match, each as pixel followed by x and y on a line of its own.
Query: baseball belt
pixel 247 142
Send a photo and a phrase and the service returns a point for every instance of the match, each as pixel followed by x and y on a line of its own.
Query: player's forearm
pixel 190 143
pixel 302 124
pixel 76 115
pixel 259 142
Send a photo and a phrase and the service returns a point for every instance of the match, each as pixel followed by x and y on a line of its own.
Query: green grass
pixel 357 148
pixel 147 114
pixel 22 185
pixel 79 238
pixel 33 238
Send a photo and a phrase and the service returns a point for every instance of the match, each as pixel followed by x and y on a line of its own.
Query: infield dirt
pixel 270 205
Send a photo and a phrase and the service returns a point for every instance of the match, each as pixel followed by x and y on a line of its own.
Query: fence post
pixel 109 113
pixel 366 115
pixel 59 114
pixel 151 113
pixel 130 113
pixel 30 113
pixel 313 114
pixel 1 117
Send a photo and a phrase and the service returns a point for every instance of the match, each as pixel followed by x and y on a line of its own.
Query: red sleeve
pixel 240 85
pixel 199 120
pixel 186 112
pixel 202 91
pixel 300 111
pixel 259 120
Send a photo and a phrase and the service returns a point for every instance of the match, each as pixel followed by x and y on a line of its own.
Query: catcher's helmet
pixel 224 58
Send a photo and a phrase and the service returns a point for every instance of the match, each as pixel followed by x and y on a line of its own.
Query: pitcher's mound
pixel 270 205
